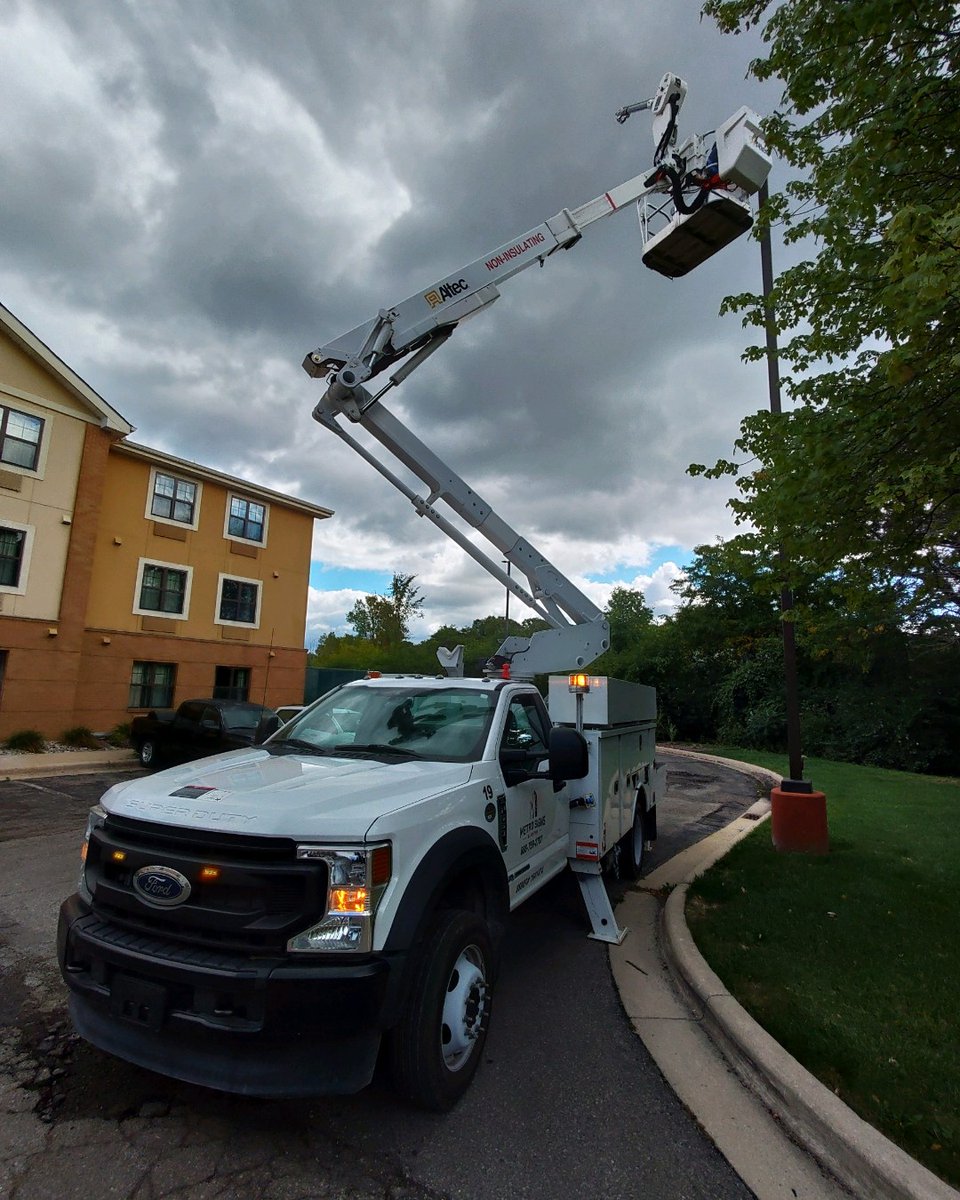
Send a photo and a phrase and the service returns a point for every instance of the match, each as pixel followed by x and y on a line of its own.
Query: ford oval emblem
pixel 161 886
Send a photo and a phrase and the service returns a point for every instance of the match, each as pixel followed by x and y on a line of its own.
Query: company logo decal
pixel 446 291
pixel 162 887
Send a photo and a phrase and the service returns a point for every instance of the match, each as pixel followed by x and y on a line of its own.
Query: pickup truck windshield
pixel 445 724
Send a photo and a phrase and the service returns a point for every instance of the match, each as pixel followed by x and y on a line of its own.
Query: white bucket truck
pixel 272 920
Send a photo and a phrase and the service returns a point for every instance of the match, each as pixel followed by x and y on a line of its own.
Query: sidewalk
pixel 76 762
pixel 785 1133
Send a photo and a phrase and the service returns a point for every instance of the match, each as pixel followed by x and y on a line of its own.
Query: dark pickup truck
pixel 199 728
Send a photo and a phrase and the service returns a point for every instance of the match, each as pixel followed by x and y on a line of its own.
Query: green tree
pixel 864 474
pixel 385 620
pixel 629 616
pixel 873 688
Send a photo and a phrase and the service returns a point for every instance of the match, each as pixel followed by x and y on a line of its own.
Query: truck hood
pixel 288 795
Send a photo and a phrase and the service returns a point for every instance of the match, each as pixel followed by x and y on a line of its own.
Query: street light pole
pixel 786 593
pixel 798 813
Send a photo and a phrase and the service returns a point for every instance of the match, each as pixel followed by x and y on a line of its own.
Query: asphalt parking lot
pixel 567 1101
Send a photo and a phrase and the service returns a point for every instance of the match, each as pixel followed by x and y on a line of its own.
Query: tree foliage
pixel 863 476
pixel 384 621
pixel 874 689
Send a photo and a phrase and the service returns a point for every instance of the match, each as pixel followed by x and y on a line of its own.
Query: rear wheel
pixel 631 846
pixel 437 1045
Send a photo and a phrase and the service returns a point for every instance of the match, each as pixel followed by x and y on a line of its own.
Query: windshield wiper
pixel 375 748
pixel 295 744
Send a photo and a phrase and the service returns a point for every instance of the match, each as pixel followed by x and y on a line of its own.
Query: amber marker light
pixel 209 874
pixel 350 900
pixel 380 866
pixel 579 683
pixel 118 855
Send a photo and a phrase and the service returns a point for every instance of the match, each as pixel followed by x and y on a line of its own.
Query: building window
pixel 163 588
pixel 20 435
pixel 174 499
pixel 231 683
pixel 239 601
pixel 246 520
pixel 12 542
pixel 151 685
pixel 16 542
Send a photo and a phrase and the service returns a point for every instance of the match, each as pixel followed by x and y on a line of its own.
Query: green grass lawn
pixel 851 960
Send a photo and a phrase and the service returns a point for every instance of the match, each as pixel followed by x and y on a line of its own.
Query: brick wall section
pixel 108 655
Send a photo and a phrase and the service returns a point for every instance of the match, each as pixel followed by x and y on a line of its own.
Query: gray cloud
pixel 196 195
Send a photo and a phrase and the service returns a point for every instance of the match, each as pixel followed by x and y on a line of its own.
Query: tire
pixel 147 752
pixel 437 1046
pixel 631 846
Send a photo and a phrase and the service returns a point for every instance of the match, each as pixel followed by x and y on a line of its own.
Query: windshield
pixel 444 724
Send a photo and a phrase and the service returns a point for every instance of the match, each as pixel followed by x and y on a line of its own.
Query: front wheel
pixel 147 752
pixel 437 1045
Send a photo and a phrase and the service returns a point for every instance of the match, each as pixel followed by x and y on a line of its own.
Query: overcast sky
pixel 196 194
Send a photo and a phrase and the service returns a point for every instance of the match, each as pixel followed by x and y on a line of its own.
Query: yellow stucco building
pixel 131 579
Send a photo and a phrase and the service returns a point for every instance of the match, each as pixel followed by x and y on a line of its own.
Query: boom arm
pixel 413 329
pixel 580 631
pixel 394 333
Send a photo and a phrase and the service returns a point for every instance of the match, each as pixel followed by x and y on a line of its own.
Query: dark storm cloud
pixel 196 195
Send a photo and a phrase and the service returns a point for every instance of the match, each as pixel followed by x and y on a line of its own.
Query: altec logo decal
pixel 535 239
pixel 445 292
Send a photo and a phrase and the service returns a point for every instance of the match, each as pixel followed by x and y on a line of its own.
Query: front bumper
pixel 266 1026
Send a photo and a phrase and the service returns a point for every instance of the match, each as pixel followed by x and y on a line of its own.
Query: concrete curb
pixel 865 1161
pixel 76 762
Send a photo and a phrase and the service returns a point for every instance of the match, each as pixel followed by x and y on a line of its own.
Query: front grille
pixel 262 895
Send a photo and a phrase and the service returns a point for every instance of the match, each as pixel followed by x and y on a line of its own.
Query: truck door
pixel 536 815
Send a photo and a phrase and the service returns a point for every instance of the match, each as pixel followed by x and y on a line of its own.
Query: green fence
pixel 321 679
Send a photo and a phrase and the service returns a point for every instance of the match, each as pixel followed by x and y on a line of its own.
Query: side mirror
pixel 569 757
pixel 266 726
pixel 517 766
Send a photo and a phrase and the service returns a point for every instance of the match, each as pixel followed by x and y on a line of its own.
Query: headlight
pixel 95 818
pixel 356 879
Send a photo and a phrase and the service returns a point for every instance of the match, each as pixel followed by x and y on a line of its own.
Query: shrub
pixel 30 741
pixel 80 738
pixel 119 736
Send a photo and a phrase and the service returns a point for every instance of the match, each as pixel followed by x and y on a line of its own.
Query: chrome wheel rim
pixel 464 1008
